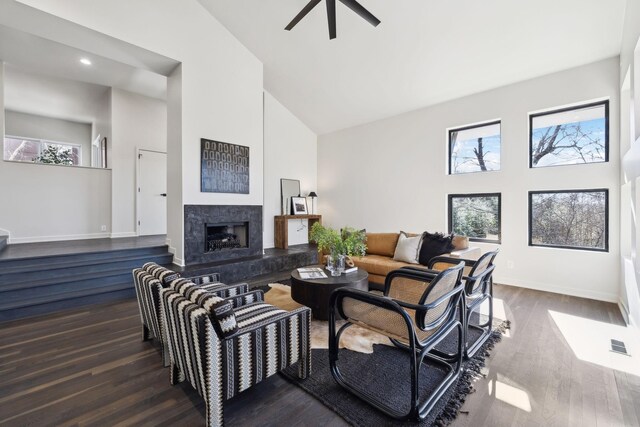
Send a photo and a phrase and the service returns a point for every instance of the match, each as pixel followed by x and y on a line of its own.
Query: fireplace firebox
pixel 219 237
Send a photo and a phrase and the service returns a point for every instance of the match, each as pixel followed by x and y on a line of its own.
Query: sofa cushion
pixel 407 249
pixel 433 245
pixel 377 264
pixel 460 242
pixel 382 244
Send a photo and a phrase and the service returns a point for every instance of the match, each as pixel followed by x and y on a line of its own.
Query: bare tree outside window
pixel 570 136
pixel 474 148
pixel 575 219
pixel 476 216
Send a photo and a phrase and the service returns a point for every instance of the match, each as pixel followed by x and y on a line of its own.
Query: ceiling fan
pixel 331 14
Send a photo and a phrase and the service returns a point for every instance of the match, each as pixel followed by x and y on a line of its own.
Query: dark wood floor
pixel 89 367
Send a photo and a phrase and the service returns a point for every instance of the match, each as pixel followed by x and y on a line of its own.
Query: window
pixel 41 151
pixel 476 216
pixel 474 148
pixel 569 136
pixel 572 219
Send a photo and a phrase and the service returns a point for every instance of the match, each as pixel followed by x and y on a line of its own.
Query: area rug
pixel 355 338
pixel 382 369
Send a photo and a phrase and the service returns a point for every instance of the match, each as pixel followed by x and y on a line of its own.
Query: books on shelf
pixel 312 273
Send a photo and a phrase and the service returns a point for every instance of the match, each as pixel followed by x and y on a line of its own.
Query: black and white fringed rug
pixel 385 374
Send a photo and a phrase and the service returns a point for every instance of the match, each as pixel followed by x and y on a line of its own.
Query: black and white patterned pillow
pixel 220 310
pixel 221 314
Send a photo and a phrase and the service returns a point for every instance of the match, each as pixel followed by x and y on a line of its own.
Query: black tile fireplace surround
pixel 204 243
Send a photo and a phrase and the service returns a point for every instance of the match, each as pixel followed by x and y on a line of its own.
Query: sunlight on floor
pixel 590 341
pixel 509 394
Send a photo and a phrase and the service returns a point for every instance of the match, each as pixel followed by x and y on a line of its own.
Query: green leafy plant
pixel 348 241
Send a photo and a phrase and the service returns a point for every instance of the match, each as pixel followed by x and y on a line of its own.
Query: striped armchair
pixel 151 278
pixel 220 362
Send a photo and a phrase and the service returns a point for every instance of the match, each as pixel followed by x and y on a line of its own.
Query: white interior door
pixel 152 193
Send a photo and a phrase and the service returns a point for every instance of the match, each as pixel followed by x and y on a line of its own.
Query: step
pixel 233 271
pixel 79 278
pixel 69 303
pixel 71 269
pixel 46 299
pixel 29 263
pixel 27 291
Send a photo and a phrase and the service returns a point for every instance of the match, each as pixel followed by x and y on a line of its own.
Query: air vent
pixel 619 347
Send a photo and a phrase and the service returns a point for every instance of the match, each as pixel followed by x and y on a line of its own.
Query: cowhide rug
pixel 354 338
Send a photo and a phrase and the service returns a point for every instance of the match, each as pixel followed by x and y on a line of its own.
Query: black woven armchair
pixel 418 310
pixel 478 281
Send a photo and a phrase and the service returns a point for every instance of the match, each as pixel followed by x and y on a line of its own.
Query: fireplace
pixel 219 237
pixel 215 233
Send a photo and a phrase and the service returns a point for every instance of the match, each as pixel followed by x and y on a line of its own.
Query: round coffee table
pixel 315 293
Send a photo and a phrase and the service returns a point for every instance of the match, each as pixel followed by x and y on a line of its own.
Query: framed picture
pixel 224 167
pixel 299 205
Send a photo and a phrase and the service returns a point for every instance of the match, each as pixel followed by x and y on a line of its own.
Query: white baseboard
pixel 268 245
pixel 624 311
pixel 576 292
pixel 176 260
pixel 15 240
pixel 124 234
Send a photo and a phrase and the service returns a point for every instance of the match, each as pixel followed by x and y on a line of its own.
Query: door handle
pixel 163 194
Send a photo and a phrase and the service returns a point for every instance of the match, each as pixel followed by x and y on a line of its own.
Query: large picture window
pixel 572 219
pixel 476 216
pixel 31 150
pixel 474 148
pixel 569 136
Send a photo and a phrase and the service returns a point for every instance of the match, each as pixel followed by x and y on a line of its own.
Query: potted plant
pixel 338 245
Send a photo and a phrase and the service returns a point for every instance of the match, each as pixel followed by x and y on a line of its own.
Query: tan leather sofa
pixel 379 262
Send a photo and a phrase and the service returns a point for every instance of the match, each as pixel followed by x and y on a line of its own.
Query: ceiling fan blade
pixel 331 15
pixel 302 14
pixel 364 13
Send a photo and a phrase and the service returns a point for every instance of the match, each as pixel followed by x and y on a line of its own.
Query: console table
pixel 281 227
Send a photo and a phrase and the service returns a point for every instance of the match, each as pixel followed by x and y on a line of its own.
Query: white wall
pixel 102 123
pixel 175 211
pixel 221 82
pixel 290 151
pixel 137 122
pixel 391 175
pixel 50 202
pixel 57 130
pixel 629 290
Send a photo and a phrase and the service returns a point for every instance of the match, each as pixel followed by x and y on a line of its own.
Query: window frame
pixel 450 198
pixel 579 248
pixel 41 143
pixel 532 116
pixel 467 127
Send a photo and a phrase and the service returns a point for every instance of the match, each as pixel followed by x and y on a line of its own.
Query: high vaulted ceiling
pixel 424 52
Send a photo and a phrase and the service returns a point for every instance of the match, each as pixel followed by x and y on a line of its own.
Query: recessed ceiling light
pixel 85 61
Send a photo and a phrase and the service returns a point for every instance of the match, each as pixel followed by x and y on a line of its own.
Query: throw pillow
pixel 433 245
pixel 221 313
pixel 407 248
